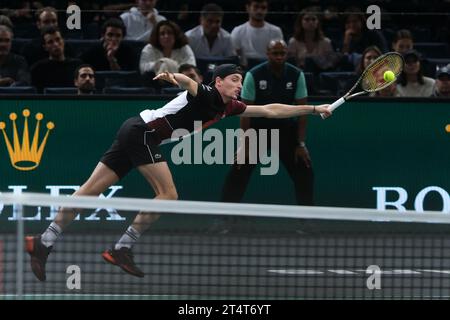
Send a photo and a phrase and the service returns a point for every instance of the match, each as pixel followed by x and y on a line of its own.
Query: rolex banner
pixel 371 153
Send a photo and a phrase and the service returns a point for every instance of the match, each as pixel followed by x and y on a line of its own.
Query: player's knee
pixel 170 194
pixel 88 189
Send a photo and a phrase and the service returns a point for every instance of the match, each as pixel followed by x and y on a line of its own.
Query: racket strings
pixel 373 78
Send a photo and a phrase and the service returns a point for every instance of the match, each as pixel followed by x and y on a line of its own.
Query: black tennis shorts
pixel 136 144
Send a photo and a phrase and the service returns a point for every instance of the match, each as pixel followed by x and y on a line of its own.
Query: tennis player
pixel 137 146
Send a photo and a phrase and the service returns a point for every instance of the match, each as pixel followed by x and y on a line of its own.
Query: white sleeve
pixel 235 38
pixel 126 21
pixel 187 56
pixel 148 59
pixel 278 33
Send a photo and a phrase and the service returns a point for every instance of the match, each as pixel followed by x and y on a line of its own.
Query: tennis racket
pixel 372 78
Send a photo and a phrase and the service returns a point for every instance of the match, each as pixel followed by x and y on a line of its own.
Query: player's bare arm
pixel 180 80
pixel 278 110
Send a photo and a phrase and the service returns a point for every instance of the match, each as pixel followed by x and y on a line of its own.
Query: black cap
pixel 412 53
pixel 225 70
pixel 443 70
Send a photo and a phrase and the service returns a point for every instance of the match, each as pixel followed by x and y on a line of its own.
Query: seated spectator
pixel 209 39
pixel 412 82
pixel 309 41
pixel 367 57
pixel 56 70
pixel 21 12
pixel 442 85
pixel 111 53
pixel 403 41
pixel 13 68
pixel 192 72
pixel 34 51
pixel 167 50
pixel 141 20
pixel 357 37
pixel 84 79
pixel 252 38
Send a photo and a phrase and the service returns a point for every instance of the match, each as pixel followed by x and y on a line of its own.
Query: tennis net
pixel 206 250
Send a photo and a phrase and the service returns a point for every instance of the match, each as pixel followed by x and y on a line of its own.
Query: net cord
pixel 219 208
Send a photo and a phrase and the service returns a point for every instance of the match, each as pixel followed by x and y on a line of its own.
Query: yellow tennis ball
pixel 389 76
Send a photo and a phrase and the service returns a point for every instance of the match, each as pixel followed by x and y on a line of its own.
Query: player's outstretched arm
pixel 278 110
pixel 180 80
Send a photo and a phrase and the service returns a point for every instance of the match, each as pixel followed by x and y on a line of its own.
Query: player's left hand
pixel 302 154
pixel 167 76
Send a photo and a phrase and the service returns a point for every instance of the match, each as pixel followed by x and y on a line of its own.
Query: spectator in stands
pixel 412 82
pixel 111 53
pixel 57 70
pixel 252 38
pixel 368 56
pixel 22 12
pixel 310 42
pixel 209 39
pixel 192 72
pixel 6 21
pixel 167 50
pixel 34 51
pixel 13 68
pixel 403 41
pixel 141 20
pixel 357 37
pixel 84 79
pixel 442 85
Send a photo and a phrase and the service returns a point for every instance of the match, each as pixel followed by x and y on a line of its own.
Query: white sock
pixel 48 238
pixel 128 239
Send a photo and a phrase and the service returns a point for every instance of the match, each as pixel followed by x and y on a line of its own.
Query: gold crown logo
pixel 24 156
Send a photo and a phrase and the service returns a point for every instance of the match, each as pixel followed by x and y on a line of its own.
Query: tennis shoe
pixel 123 258
pixel 39 254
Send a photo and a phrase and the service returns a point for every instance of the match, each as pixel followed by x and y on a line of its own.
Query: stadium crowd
pixel 123 45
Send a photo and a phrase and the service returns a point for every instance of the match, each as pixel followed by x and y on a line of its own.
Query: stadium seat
pixel 60 90
pixel 136 45
pixel 105 79
pixel 421 34
pixel 74 34
pixel 26 30
pixel 337 82
pixel 128 90
pixel 433 50
pixel 171 90
pixel 252 62
pixel 80 46
pixel 91 31
pixel 18 90
pixel 389 35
